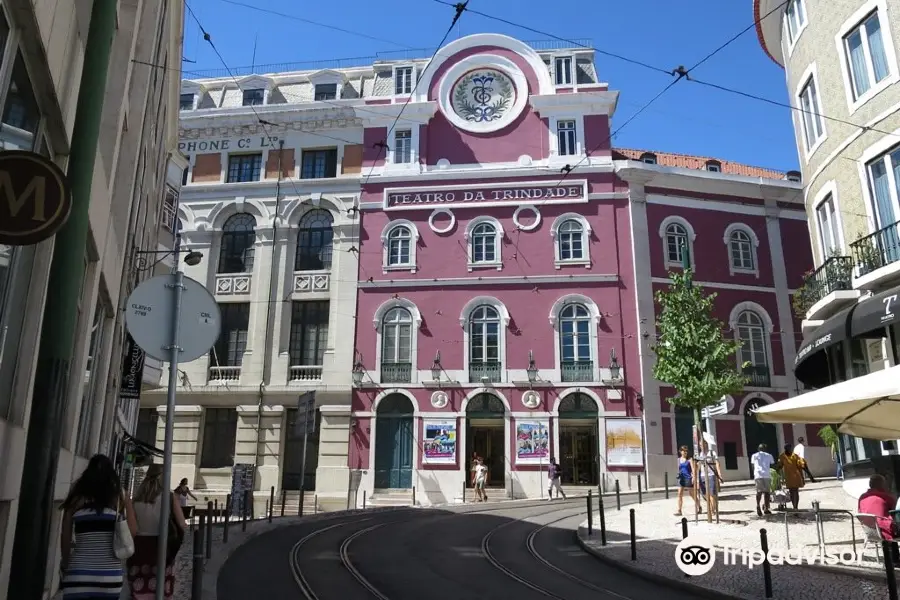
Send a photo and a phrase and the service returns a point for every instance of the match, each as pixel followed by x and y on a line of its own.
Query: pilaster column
pixel 185 440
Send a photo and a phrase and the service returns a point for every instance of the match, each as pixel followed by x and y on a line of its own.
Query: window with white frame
pixel 567 144
pixel 403 146
pixel 396 346
pixel 811 117
pixel 648 158
pixel 403 80
pixel 93 389
pixel 740 247
pixel 713 166
pixel 827 221
pixel 570 240
pixel 563 68
pixel 751 332
pixel 867 58
pixel 253 97
pixel 884 176
pixel 576 358
pixel 795 17
pixel 484 235
pixel 399 246
pixel 186 102
pixel 484 344
pixel 676 238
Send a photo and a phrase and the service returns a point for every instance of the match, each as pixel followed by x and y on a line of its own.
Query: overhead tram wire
pixel 460 8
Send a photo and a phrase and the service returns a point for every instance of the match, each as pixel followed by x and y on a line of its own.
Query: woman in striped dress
pixel 90 569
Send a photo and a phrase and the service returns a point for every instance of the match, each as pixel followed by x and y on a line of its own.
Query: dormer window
pixel 648 158
pixel 186 102
pixel 793 176
pixel 254 97
pixel 403 80
pixel 326 91
pixel 713 166
pixel 563 68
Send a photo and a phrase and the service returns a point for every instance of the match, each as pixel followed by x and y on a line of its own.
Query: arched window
pixel 399 243
pixel 713 166
pixel 396 346
pixel 741 251
pixel 314 241
pixel 751 332
pixel 676 241
pixel 484 344
pixel 484 244
pixel 571 240
pixel 238 241
pixel 576 361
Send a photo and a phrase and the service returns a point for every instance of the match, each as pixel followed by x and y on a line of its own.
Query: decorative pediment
pixel 192 87
pixel 255 82
pixel 327 76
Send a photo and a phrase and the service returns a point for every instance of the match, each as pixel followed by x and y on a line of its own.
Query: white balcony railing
pixel 227 284
pixel 306 373
pixel 224 374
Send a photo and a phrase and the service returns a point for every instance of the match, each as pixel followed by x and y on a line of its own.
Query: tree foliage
pixel 693 354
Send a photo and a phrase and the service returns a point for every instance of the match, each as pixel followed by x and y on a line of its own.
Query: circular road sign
pixel 148 318
pixel 35 199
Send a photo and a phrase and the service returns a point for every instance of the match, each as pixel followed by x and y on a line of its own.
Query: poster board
pixel 532 441
pixel 440 441
pixel 624 442
pixel 242 479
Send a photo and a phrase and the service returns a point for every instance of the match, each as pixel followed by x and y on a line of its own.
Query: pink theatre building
pixel 508 261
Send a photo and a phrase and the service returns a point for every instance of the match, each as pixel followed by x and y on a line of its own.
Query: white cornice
pixel 244 115
pixel 384 115
pixel 588 103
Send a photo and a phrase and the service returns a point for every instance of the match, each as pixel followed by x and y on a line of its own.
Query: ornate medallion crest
pixel 483 96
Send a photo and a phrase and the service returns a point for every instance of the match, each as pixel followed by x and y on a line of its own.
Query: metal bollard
pixel 209 528
pixel 245 510
pixel 216 509
pixel 283 500
pixel 767 568
pixel 271 502
pixel 267 513
pixel 633 536
pixel 364 499
pixel 618 498
pixel 684 532
pixel 640 493
pixel 889 569
pixel 414 495
pixel 302 502
pixel 316 504
pixel 602 512
pixel 667 484
pixel 464 492
pixel 590 511
pixel 227 518
pixel 197 574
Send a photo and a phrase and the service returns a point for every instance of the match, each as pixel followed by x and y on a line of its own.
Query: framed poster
pixel 532 441
pixel 624 442
pixel 440 441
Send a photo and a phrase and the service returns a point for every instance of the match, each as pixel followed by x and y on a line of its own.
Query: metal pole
pixel 244 511
pixel 889 569
pixel 618 498
pixel 57 339
pixel 590 514
pixel 414 496
pixel 684 532
pixel 767 568
pixel 364 499
pixel 303 461
pixel 197 575
pixel 640 493
pixel 227 516
pixel 667 484
pixel 209 529
pixel 602 512
pixel 283 500
pixel 633 535
pixel 271 502
pixel 316 504
pixel 216 509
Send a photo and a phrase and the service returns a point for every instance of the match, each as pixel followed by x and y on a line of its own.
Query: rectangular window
pixel 186 102
pixel 403 147
pixel 713 167
pixel 813 128
pixel 244 167
pixel 565 136
pixel 828 227
pixel 866 57
pixel 184 176
pixel 326 91
pixel 319 164
pixel 148 422
pixel 254 97
pixel 219 437
pixel 232 342
pixel 884 173
pixel 170 208
pixel 309 333
pixel 21 116
pixel 563 66
pixel 403 80
pixel 93 389
pixel 795 15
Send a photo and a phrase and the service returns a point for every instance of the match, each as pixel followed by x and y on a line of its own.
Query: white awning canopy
pixel 867 406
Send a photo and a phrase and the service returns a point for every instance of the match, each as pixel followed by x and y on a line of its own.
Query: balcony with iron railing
pixel 758 376
pixel 484 371
pixel 831 282
pixel 396 372
pixel 305 373
pixel 876 250
pixel 577 371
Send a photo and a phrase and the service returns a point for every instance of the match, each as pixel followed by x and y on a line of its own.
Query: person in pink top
pixel 878 501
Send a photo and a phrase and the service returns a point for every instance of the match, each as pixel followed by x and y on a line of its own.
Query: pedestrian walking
pixel 554 477
pixel 791 467
pixel 95 504
pixel 762 463
pixel 709 462
pixel 148 503
pixel 685 479
pixel 480 478
pixel 182 492
pixel 800 450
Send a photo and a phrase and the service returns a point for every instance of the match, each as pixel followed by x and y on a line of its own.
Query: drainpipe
pixel 273 272
pixel 48 400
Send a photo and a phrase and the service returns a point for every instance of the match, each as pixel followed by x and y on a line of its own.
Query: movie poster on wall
pixel 624 443
pixel 440 441
pixel 532 442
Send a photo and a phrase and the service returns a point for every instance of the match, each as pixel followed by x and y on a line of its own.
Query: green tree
pixel 693 354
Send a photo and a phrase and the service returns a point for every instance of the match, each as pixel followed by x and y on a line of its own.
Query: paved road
pixel 476 552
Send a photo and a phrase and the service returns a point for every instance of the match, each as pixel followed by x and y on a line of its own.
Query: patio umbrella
pixel 867 407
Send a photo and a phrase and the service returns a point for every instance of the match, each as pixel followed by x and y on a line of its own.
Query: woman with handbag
pixel 148 502
pixel 94 511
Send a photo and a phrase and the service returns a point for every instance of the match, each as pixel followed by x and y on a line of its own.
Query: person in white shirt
pixel 480 480
pixel 800 450
pixel 762 463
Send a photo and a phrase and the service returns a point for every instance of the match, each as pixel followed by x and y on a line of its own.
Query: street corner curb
pixel 867 574
pixel 684 586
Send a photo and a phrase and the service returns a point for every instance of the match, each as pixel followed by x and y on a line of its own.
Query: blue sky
pixel 690 118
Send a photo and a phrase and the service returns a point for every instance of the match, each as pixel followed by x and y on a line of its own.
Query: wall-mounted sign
pixel 35 199
pixel 132 369
pixel 256 142
pixel 484 194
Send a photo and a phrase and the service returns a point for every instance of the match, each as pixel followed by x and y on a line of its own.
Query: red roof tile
pixel 759 32
pixel 685 161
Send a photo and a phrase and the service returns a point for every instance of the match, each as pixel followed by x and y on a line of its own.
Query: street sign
pixel 132 369
pixel 35 199
pixel 149 312
pixel 722 408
